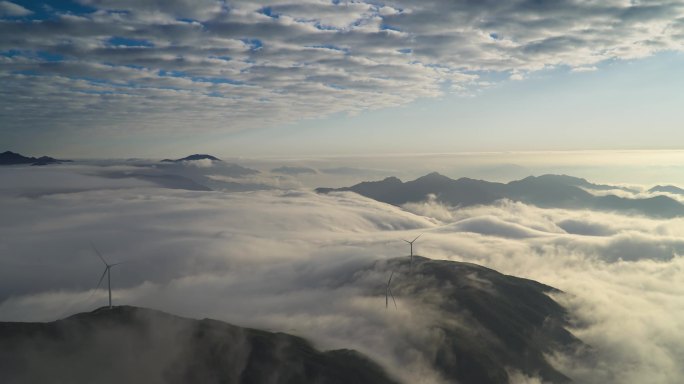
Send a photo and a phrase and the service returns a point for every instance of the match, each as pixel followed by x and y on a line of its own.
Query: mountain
pixel 232 170
pixel 476 326
pixel 667 189
pixel 193 158
pixel 548 191
pixel 11 158
pixel 136 345
pixel 489 322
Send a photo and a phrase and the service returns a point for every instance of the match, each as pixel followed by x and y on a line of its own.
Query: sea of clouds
pixel 280 259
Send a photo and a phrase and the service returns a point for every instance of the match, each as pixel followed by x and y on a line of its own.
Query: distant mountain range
pixel 11 158
pixel 667 189
pixel 548 191
pixel 137 345
pixel 192 158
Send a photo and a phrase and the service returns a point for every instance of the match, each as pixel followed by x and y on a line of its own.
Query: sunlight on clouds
pixel 281 260
pixel 134 66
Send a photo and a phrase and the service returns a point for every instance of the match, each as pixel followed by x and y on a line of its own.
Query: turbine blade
pixel 111 265
pixel 390 279
pixel 407 241
pixel 417 237
pixel 98 254
pixel 386 299
pixel 395 302
pixel 101 278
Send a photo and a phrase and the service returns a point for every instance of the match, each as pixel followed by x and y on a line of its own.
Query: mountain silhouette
pixel 228 169
pixel 137 345
pixel 193 158
pixel 547 191
pixel 504 322
pixel 12 158
pixel 667 189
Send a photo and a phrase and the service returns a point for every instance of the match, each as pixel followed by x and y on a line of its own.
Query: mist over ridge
pixel 276 258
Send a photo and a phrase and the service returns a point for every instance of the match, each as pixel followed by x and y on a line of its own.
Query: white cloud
pixel 8 8
pixel 585 69
pixel 201 163
pixel 191 66
pixel 278 260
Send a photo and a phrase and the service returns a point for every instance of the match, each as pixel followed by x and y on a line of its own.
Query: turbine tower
pixel 388 293
pixel 411 245
pixel 107 270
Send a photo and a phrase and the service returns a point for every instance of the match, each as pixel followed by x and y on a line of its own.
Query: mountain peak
pixel 434 176
pixel 13 158
pixel 391 179
pixel 194 157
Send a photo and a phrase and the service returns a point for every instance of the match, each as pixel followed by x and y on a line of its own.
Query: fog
pixel 283 259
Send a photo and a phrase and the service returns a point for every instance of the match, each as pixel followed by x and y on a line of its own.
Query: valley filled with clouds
pixel 278 256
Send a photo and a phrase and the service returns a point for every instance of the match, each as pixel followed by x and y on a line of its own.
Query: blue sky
pixel 110 78
pixel 633 104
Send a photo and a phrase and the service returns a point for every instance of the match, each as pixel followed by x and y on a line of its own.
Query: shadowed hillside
pixel 136 345
pixel 490 323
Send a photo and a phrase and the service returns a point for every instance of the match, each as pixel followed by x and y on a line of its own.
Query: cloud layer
pixel 116 66
pixel 278 259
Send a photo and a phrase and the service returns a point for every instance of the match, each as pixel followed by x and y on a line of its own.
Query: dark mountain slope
pixel 491 322
pixel 136 345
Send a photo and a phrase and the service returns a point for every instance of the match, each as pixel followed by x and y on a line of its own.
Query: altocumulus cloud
pixel 160 66
pixel 283 260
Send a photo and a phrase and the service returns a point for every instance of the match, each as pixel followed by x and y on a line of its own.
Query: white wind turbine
pixel 388 293
pixel 411 245
pixel 107 270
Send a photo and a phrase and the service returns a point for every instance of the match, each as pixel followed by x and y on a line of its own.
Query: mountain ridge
pixel 128 344
pixel 505 322
pixel 13 158
pixel 546 191
pixel 194 157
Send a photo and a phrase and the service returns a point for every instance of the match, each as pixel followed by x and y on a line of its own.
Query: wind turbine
pixel 388 293
pixel 107 270
pixel 411 245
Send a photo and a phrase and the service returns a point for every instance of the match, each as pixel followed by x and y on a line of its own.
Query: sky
pixel 330 93
pixel 102 78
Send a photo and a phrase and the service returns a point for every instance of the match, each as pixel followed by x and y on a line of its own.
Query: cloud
pixel 430 208
pixel 585 69
pixel 121 66
pixel 282 260
pixel 201 163
pixel 8 8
